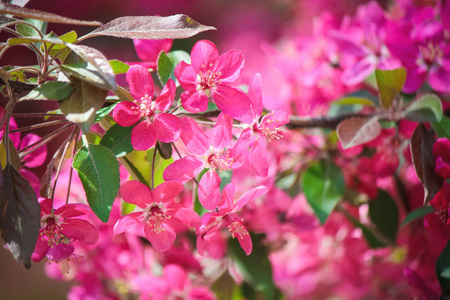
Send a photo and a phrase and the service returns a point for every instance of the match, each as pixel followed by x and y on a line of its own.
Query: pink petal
pixel 186 75
pixel 359 71
pixel 40 250
pixel 148 50
pixel 209 190
pixel 128 221
pixel 221 134
pixel 348 46
pixel 136 193
pixel 125 113
pixel 73 210
pixel 167 191
pixel 239 231
pixel 167 127
pixel 277 118
pixel 46 206
pixel 163 240
pixel 35 158
pixel 415 76
pixel 184 214
pixel 80 230
pixel 194 101
pixel 241 147
pixel 140 81
pixel 439 79
pixel 143 136
pixel 255 95
pixel 442 168
pixel 194 139
pixel 259 161
pixel 165 98
pixel 231 101
pixel 227 199
pixel 230 65
pixel 184 169
pixel 203 54
pixel 60 252
pixel 250 196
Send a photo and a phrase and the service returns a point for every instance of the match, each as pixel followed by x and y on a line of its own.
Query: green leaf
pixel 442 128
pixel 255 268
pixel 372 239
pixel 86 72
pixel 389 83
pixel 50 90
pixel 118 66
pixel 417 214
pixel 68 37
pixel 384 214
pixel 82 105
pixel 166 64
pixel 99 173
pixel 323 185
pixel 26 30
pixel 103 112
pixel 134 172
pixel 30 40
pixel 353 101
pixel 427 108
pixel 127 208
pixel 118 139
pixel 443 269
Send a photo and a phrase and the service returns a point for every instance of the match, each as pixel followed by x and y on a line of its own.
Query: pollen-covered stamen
pixel 221 160
pixel 155 219
pixel 145 106
pixel 208 79
pixel 442 214
pixel 268 128
pixel 53 233
pixel 431 52
pixel 236 227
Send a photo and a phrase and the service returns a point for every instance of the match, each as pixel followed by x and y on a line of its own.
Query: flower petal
pixel 125 113
pixel 148 50
pixel 140 81
pixel 80 230
pixel 184 214
pixel 165 98
pixel 73 210
pixel 143 136
pixel 194 139
pixel 167 191
pixel 231 101
pixel 230 65
pixel 128 221
pixel 194 101
pixel 259 161
pixel 184 169
pixel 221 134
pixel 250 196
pixel 41 249
pixel 208 190
pixel 60 252
pixel 255 96
pixel 136 193
pixel 186 75
pixel 203 54
pixel 167 127
pixel 162 240
pixel 227 199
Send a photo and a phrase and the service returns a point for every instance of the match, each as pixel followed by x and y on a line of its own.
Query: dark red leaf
pixel 358 130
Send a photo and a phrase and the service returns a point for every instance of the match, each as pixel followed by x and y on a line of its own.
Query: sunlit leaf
pixel 118 139
pixel 99 173
pixel 390 83
pixel 118 66
pixel 50 90
pixel 427 108
pixel 103 112
pixel 151 27
pixel 160 165
pixel 358 130
pixel 15 10
pixel 86 72
pixel 26 30
pixel 20 215
pixel 353 101
pixel 323 185
pixel 166 64
pixel 422 142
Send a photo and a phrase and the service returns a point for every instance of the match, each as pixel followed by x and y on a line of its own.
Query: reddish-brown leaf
pixel 422 142
pixel 20 215
pixel 21 12
pixel 358 130
pixel 151 27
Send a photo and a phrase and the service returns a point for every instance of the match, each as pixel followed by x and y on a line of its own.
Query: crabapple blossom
pixel 154 123
pixel 209 75
pixel 441 152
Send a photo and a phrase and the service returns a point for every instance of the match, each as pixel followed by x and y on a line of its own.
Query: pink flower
pixel 148 50
pixel 59 228
pixel 155 124
pixel 226 216
pixel 441 152
pixel 158 212
pixel 260 132
pixel 210 76
pixel 209 152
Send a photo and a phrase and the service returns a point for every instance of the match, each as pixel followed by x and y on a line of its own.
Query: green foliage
pixel 103 112
pixel 417 214
pixel 160 165
pixel 383 213
pixel 118 139
pixel 118 66
pixel 427 108
pixel 166 64
pixel 358 130
pixel 323 185
pixel 99 173
pixel 443 269
pixel 442 128
pixel 50 90
pixel 28 31
pixel 389 83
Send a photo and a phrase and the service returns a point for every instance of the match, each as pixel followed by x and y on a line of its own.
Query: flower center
pixel 430 52
pixel 155 219
pixel 208 79
pixel 236 227
pixel 145 108
pixel 221 160
pixel 53 232
pixel 268 128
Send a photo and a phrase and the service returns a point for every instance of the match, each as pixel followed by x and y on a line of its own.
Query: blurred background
pixel 242 24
